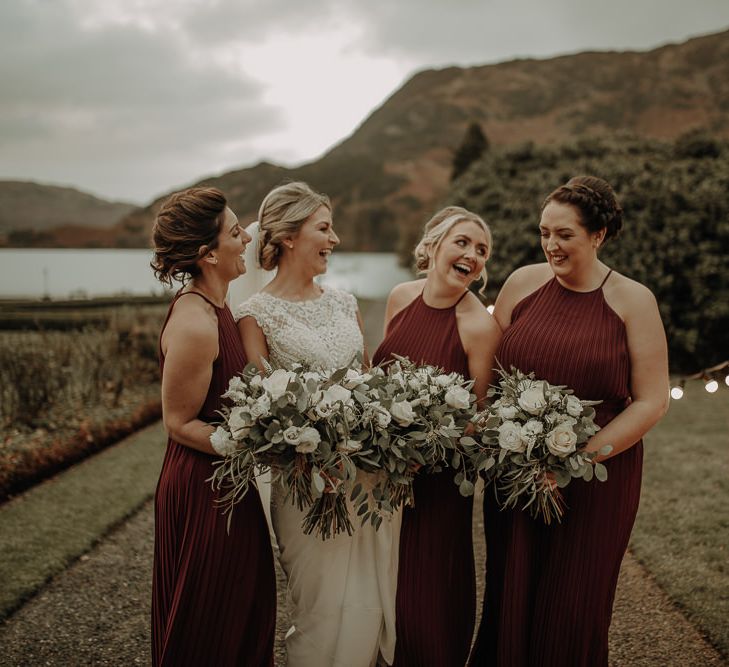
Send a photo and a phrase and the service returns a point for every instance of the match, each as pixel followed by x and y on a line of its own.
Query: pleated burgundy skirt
pixel 550 589
pixel 213 592
pixel 436 583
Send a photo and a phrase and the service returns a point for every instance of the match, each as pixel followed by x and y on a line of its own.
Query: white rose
pixel 573 406
pixel 458 397
pixel 348 446
pixel 561 440
pixel 424 397
pixel 309 440
pixel 510 437
pixel 383 418
pixel 261 407
pixel 292 435
pixel 507 411
pixel 402 412
pixel 414 384
pixel 256 381
pixel 276 383
pixel 221 442
pixel 532 400
pixel 443 380
pixel 336 393
pixel 323 410
pixel 239 422
pixel 352 378
pixel 531 430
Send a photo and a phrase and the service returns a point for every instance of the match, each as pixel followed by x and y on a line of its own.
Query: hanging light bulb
pixel 677 392
pixel 711 386
pixel 726 380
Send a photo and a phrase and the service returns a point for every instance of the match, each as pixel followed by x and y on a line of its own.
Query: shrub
pixel 676 235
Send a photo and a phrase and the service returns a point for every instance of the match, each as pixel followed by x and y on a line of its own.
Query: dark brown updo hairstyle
pixel 595 202
pixel 186 221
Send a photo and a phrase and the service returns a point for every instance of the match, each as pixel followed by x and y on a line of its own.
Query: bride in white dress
pixel 342 590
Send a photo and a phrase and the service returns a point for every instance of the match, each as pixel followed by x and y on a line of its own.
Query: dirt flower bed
pixel 29 455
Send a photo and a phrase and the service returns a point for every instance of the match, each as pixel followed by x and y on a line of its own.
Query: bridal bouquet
pixel 315 429
pixel 415 416
pixel 297 423
pixel 534 436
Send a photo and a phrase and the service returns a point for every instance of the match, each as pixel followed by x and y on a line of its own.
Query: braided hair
pixel 595 202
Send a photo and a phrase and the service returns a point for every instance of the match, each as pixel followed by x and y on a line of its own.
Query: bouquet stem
pixel 328 516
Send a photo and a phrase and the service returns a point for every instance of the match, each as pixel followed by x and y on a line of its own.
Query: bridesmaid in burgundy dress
pixel 438 321
pixel 573 321
pixel 214 593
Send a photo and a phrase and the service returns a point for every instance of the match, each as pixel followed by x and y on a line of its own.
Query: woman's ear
pixel 207 255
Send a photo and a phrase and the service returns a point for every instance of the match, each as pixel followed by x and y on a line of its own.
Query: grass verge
pixel 54 523
pixel 682 531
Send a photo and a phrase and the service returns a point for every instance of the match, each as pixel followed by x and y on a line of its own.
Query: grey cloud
pixel 79 102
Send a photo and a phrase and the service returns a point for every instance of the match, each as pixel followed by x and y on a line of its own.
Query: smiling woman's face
pixel 461 255
pixel 314 241
pixel 567 245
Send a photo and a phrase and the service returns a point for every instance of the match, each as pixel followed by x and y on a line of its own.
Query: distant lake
pixel 62 274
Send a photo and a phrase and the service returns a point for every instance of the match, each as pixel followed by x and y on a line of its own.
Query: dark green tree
pixel 473 146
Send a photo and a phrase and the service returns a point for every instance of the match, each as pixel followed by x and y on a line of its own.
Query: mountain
pixel 31 212
pixel 390 175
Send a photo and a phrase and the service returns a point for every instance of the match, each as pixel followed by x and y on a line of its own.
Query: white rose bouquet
pixel 533 436
pixel 415 417
pixel 315 429
pixel 299 424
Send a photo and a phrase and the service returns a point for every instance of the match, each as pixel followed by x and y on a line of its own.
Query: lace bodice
pixel 322 333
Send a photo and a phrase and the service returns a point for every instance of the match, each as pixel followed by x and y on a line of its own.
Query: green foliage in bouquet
pixel 345 441
pixel 534 438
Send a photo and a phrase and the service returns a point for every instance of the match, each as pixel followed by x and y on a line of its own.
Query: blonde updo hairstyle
pixel 283 211
pixel 437 228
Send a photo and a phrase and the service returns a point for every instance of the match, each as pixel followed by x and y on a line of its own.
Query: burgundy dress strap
pixel 605 279
pixel 177 296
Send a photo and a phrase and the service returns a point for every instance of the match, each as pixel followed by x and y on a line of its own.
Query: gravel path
pixel 97 612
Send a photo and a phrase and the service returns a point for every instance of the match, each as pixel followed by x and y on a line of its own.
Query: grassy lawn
pixel 682 531
pixel 54 523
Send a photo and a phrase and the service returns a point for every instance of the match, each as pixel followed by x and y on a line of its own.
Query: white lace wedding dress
pixel 342 590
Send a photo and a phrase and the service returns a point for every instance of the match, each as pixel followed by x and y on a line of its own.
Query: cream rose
pixel 348 446
pixel 532 399
pixel 561 440
pixel 506 411
pixel 531 430
pixel 276 383
pixel 239 422
pixel 221 442
pixel 402 412
pixel 291 435
pixel 336 393
pixel 573 406
pixel 309 440
pixel 510 437
pixel 458 397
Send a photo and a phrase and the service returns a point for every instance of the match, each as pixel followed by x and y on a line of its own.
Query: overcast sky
pixel 130 99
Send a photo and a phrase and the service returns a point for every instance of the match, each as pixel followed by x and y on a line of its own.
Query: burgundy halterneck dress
pixel 436 584
pixel 213 593
pixel 550 589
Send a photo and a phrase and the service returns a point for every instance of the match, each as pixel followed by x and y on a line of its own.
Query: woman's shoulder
pixel 474 316
pixel 192 320
pixel 403 293
pixel 626 296
pixel 257 306
pixel 528 278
